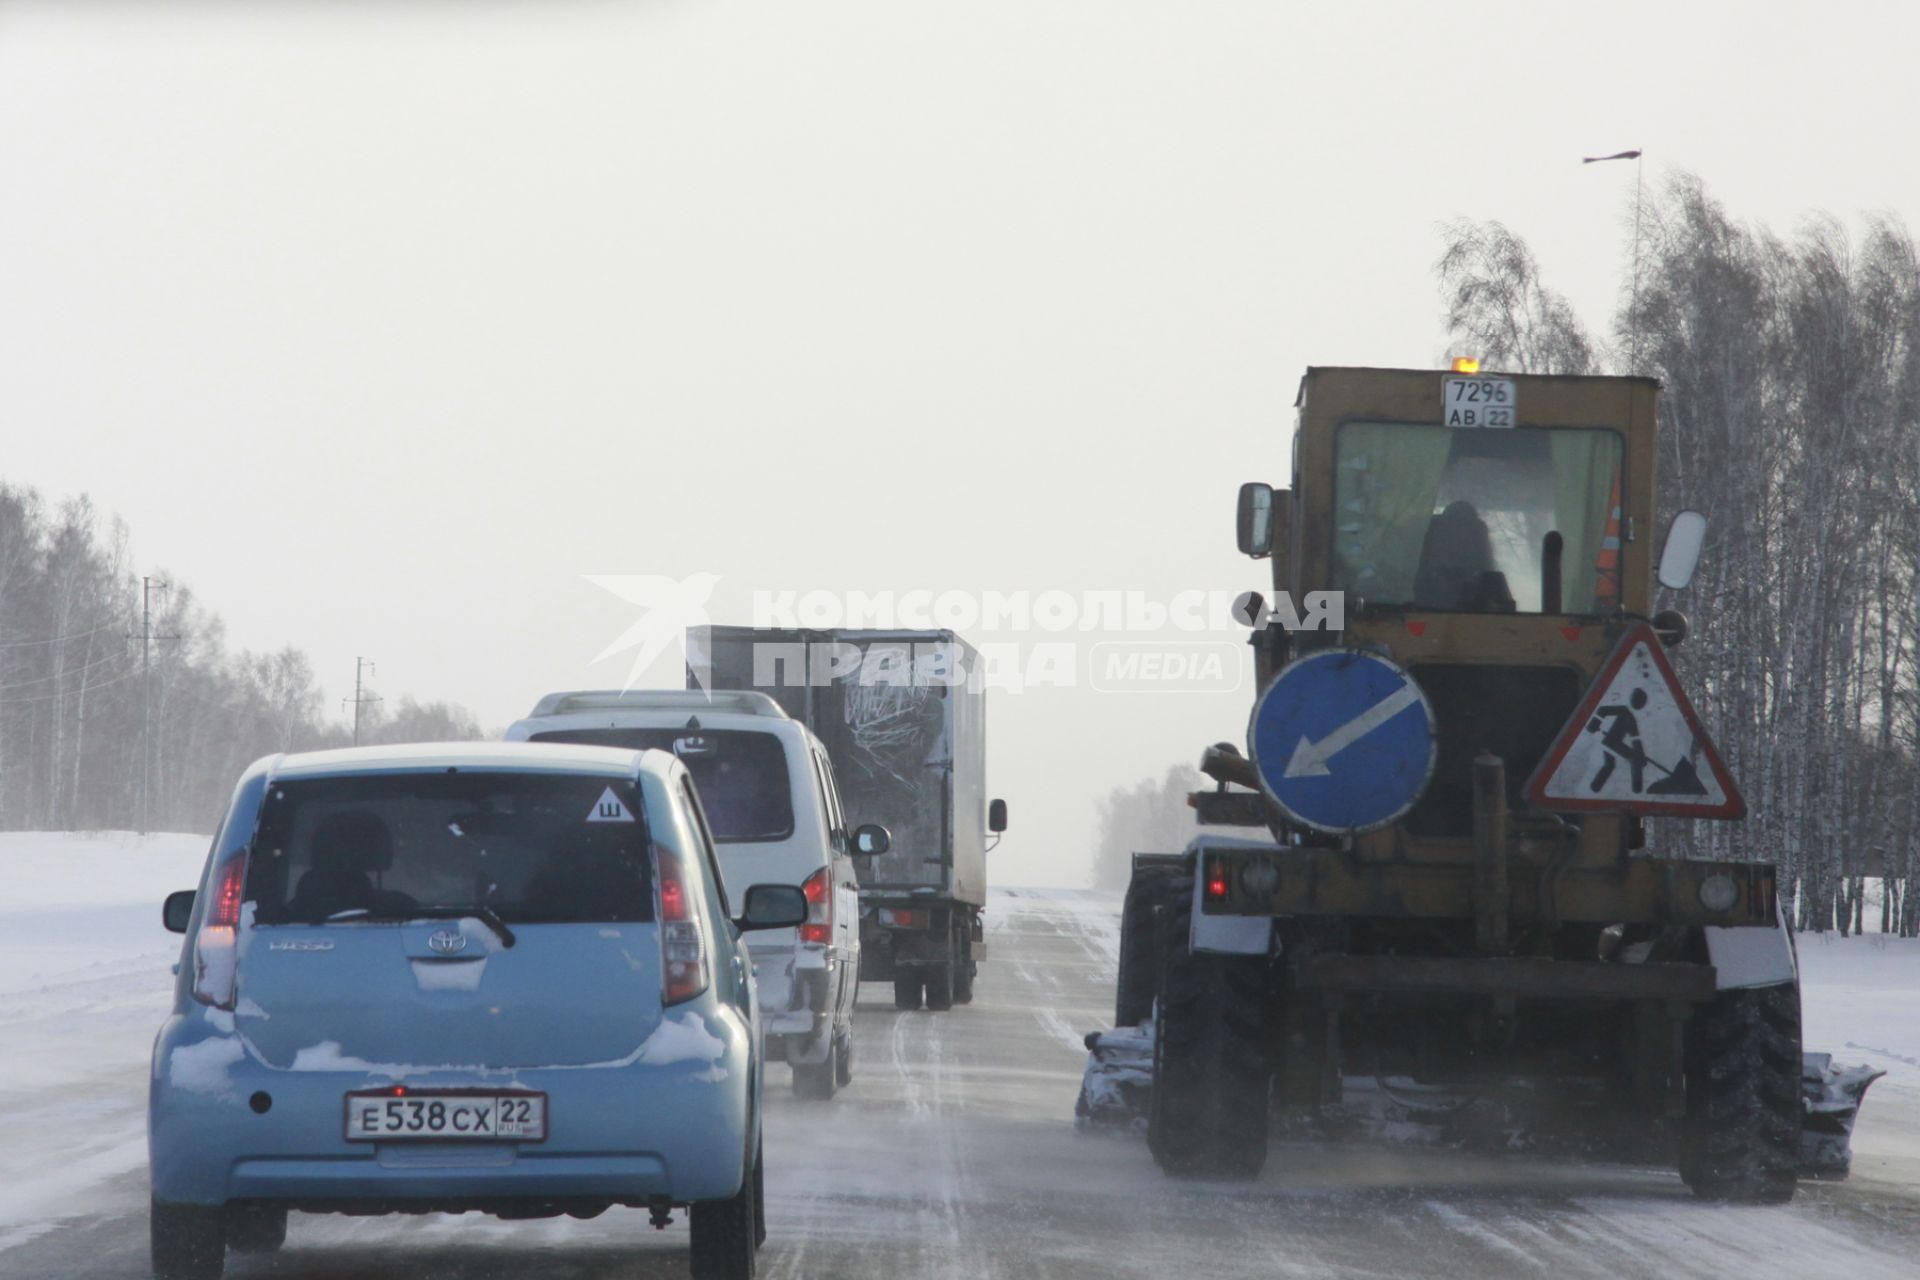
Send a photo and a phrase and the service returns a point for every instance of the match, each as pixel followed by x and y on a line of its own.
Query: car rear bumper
pixel 624 1132
pixel 796 1001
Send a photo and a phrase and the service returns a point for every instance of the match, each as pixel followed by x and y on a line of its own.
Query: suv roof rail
pixel 737 701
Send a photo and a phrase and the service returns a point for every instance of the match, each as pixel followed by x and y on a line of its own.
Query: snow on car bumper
pixel 618 1131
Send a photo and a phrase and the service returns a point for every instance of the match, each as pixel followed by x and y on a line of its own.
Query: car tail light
pixel 683 947
pixel 216 949
pixel 819 890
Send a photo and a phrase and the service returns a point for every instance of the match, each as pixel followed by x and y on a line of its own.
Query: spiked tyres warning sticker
pixel 1635 745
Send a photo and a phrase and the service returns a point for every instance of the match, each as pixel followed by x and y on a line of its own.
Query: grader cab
pixel 1456 887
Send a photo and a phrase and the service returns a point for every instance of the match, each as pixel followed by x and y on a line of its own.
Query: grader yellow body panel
pixel 1493 535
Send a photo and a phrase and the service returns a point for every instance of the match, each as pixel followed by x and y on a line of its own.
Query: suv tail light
pixel 216 949
pixel 819 890
pixel 683 947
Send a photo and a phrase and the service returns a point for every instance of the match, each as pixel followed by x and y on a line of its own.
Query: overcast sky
pixel 384 324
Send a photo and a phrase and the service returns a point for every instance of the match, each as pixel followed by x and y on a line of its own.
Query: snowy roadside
pixel 84 982
pixel 1860 1001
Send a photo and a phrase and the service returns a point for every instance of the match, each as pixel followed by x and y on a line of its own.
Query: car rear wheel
pixel 257 1229
pixel 189 1241
pixel 759 1199
pixel 816 1081
pixel 843 1075
pixel 906 991
pixel 726 1233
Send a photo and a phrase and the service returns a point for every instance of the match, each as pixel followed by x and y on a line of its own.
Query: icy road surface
pixel 954 1152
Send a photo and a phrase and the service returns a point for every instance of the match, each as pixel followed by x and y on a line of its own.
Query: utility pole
pixel 146 638
pixel 361 669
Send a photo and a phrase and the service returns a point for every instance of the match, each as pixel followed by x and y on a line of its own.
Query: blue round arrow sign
pixel 1343 740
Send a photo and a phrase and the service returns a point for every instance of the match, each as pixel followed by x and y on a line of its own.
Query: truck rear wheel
pixel 940 987
pixel 1211 1078
pixel 1139 973
pixel 1741 1138
pixel 906 990
pixel 963 970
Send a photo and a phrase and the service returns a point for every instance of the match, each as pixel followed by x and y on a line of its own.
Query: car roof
pixel 490 757
pixel 659 718
pixel 700 702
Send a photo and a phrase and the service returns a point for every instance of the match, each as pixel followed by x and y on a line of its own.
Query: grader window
pixel 1457 520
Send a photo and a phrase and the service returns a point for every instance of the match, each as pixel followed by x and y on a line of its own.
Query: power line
pixel 55 697
pixel 73 635
pixel 69 673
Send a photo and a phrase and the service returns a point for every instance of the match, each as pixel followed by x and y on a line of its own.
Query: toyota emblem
pixel 447 941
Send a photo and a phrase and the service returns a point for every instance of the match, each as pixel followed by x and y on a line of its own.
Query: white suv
pixel 767 787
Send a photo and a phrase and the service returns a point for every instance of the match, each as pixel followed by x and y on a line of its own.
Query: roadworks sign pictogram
pixel 1635 745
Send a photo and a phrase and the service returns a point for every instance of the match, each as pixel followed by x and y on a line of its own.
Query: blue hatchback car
pixel 490 977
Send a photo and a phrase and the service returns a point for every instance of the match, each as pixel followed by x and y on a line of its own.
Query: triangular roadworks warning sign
pixel 1635 745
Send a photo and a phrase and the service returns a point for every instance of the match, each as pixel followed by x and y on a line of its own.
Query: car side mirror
pixel 997 816
pixel 870 840
pixel 773 906
pixel 1678 559
pixel 1254 520
pixel 177 910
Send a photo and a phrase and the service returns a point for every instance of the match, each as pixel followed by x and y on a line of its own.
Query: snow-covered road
pixel 954 1152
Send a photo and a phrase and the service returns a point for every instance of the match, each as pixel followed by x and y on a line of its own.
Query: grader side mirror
pixel 1255 521
pixel 1681 555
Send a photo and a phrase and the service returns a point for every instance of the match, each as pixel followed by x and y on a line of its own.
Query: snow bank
pixel 1860 1001
pixel 90 868
pixel 84 905
pixel 84 983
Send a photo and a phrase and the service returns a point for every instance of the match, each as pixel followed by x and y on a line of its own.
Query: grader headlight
pixel 1718 892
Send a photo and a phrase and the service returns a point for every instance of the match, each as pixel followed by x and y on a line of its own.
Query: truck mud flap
pixel 1830 1095
pixel 1118 1082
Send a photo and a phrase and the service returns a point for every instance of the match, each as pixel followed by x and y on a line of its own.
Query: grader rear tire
pixel 1740 1143
pixel 1211 1077
pixel 1139 976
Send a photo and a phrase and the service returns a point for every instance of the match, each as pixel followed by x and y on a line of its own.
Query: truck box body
pixel 903 719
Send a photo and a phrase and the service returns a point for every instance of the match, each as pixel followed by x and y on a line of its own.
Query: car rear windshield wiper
pixel 484 914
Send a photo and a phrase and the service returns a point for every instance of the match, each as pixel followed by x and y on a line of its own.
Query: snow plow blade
pixel 1118 1080
pixel 1118 1084
pixel 1830 1095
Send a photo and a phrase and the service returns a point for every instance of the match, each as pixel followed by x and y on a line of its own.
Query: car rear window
pixel 534 848
pixel 741 774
